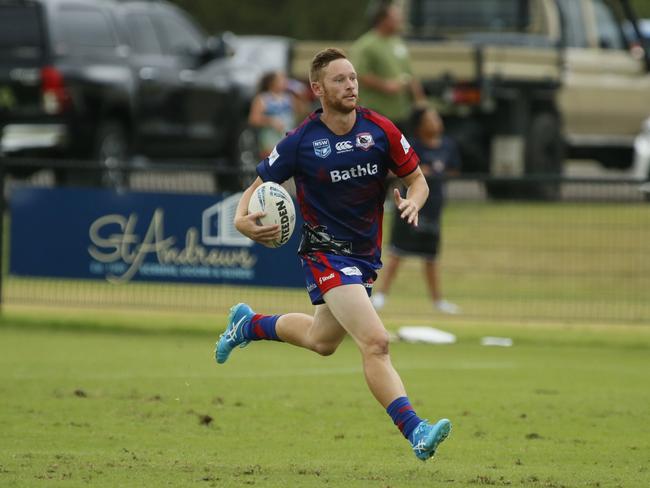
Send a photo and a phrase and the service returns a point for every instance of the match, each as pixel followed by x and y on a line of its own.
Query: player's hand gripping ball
pixel 276 202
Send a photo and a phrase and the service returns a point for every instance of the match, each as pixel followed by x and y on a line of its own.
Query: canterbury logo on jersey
pixel 344 146
pixel 355 172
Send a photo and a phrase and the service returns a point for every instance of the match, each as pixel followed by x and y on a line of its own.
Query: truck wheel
pixel 109 154
pixel 241 158
pixel 248 155
pixel 112 153
pixel 543 157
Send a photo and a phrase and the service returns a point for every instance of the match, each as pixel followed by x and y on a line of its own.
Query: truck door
pixel 606 94
pixel 199 101
pixel 158 125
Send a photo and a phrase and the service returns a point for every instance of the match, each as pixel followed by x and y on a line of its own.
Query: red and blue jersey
pixel 341 180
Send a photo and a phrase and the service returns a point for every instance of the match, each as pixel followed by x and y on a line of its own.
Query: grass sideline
pixel 109 398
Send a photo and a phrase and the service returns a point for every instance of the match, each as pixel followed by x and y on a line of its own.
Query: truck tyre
pixel 109 158
pixel 240 161
pixel 248 155
pixel 543 158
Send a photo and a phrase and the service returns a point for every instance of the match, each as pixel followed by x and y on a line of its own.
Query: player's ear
pixel 316 88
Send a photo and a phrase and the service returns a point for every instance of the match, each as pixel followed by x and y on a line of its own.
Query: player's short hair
pixel 322 60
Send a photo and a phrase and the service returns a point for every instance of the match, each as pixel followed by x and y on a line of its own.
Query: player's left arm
pixel 416 195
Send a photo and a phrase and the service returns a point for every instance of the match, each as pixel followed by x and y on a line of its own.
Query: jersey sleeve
pixel 279 166
pixel 403 159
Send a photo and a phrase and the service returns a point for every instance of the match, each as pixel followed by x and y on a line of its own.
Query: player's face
pixel 339 85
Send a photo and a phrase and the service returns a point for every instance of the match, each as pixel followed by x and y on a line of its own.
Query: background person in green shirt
pixel 383 66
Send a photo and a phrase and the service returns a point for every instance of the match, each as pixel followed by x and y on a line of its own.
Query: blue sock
pixel 261 327
pixel 403 415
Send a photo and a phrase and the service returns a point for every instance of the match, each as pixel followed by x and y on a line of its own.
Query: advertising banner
pixel 122 237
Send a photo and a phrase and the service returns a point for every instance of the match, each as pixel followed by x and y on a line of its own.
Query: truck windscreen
pixel 20 32
pixel 437 17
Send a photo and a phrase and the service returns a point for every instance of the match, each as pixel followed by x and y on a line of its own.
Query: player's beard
pixel 338 105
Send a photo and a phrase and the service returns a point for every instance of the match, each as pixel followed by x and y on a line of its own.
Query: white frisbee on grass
pixel 426 335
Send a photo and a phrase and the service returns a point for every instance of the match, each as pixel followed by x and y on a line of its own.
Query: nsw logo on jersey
pixel 364 140
pixel 322 148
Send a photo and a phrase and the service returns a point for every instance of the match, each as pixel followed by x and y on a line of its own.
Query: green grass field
pixel 111 399
pixel 118 395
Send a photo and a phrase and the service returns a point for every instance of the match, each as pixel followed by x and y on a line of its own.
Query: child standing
pixel 439 157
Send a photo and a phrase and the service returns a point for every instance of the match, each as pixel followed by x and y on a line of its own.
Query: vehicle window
pixel 143 34
pixel 610 35
pixel 483 15
pixel 20 32
pixel 574 32
pixel 266 54
pixel 85 27
pixel 179 35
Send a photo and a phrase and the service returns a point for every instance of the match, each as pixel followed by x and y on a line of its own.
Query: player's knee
pixel 325 348
pixel 377 344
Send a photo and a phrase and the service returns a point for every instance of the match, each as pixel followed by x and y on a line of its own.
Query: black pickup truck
pixel 100 80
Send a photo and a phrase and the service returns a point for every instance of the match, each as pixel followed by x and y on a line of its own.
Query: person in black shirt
pixel 439 158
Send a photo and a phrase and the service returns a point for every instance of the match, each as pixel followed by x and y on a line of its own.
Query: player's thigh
pixel 326 328
pixel 351 307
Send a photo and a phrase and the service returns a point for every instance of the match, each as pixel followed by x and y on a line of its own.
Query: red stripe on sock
pixel 405 408
pixel 258 331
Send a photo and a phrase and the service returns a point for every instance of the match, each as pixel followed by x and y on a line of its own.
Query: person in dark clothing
pixel 439 158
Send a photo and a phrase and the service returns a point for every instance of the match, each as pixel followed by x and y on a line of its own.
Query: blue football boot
pixel 233 336
pixel 426 437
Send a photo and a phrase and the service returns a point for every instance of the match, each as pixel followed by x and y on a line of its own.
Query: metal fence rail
pixel 583 257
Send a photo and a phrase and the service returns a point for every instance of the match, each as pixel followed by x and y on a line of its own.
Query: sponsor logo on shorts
pixel 364 140
pixel 323 279
pixel 351 271
pixel 322 148
pixel 344 146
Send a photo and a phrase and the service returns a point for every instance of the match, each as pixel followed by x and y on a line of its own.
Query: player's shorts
pixel 325 271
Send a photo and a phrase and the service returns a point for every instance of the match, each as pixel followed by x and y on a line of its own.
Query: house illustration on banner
pixel 217 227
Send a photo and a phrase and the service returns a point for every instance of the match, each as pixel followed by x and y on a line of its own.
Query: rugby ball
pixel 273 199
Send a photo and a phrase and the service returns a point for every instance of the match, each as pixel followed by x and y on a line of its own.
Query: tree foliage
pixel 299 19
pixel 332 19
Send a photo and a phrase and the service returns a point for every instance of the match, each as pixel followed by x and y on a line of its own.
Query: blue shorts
pixel 326 271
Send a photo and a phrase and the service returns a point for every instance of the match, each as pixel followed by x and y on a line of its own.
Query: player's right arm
pixel 278 167
pixel 247 223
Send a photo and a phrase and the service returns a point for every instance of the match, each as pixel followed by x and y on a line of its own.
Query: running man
pixel 339 157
